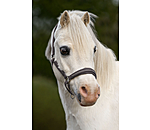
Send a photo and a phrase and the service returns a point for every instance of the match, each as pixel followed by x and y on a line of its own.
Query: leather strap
pixel 53 48
pixel 81 72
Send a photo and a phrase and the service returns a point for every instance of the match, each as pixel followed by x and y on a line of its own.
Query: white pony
pixel 74 46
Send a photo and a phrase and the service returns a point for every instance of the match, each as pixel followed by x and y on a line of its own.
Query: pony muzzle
pixel 87 98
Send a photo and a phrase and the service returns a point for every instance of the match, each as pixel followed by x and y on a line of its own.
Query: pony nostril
pixel 98 95
pixel 83 91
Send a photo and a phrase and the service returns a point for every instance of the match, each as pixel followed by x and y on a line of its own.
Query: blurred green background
pixel 48 113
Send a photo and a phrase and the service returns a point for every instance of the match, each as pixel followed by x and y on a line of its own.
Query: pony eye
pixel 64 50
pixel 95 48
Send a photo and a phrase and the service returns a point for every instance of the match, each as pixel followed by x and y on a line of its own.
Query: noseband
pixel 73 75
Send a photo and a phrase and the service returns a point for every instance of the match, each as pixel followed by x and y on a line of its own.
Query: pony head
pixel 75 50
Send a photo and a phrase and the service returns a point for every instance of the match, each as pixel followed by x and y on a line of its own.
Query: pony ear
pixel 65 19
pixel 86 18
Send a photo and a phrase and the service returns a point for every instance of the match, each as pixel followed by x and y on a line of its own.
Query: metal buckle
pixel 67 79
pixel 72 96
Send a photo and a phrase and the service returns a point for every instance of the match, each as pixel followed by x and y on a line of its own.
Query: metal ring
pixel 72 96
pixel 67 79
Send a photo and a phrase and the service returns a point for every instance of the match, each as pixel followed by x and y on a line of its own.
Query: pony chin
pixel 83 104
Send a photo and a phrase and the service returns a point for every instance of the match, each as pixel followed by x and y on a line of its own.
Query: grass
pixel 48 113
